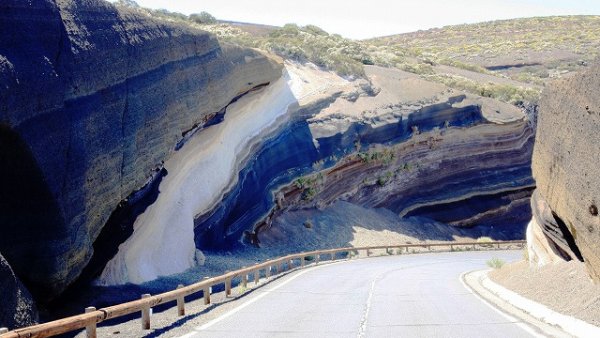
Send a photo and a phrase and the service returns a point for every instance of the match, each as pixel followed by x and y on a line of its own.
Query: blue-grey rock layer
pixel 92 100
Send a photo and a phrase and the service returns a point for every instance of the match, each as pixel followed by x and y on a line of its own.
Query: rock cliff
pixel 117 130
pixel 399 142
pixel 566 223
pixel 92 101
pixel 18 308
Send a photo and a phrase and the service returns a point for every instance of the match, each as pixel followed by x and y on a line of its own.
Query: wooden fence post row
pixel 89 322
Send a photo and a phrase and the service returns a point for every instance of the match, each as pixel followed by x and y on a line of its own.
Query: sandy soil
pixel 564 287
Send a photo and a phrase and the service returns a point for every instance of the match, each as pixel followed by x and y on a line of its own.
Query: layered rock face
pixel 92 101
pixel 414 147
pixel 566 224
pixel 111 120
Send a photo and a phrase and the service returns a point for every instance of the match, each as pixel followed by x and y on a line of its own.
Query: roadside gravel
pixel 563 287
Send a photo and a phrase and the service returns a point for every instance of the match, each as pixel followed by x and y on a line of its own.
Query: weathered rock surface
pixel 18 308
pixel 92 101
pixel 163 239
pixel 459 160
pixel 565 167
pixel 466 162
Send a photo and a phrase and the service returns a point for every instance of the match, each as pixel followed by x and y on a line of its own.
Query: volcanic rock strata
pixel 92 101
pixel 117 130
pixel 566 222
pixel 416 148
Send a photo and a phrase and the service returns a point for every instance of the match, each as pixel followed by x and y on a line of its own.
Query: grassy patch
pixel 495 263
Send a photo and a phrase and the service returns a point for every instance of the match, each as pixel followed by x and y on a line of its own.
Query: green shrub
pixel 203 18
pixel 495 263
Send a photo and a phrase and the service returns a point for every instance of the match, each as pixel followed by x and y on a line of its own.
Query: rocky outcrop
pixel 566 223
pixel 205 174
pixel 402 143
pixel 92 101
pixel 18 308
pixel 163 239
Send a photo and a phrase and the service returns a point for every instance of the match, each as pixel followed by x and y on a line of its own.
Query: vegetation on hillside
pixel 520 54
pixel 542 47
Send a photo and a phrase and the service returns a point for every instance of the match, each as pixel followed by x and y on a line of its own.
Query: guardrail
pixel 93 316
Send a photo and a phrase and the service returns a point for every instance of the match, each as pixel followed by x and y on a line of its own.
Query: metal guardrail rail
pixel 93 316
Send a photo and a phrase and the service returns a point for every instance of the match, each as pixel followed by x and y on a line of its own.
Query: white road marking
pixel 363 321
pixel 516 321
pixel 251 301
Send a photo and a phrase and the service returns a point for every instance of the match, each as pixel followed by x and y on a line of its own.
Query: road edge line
pixel 253 300
pixel 528 308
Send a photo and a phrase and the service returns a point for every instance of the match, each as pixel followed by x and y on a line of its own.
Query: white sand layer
pixel 203 171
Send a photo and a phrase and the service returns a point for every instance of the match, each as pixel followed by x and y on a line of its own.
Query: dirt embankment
pixel 564 287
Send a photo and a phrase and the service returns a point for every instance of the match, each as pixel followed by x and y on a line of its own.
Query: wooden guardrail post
pixel 90 329
pixel 146 314
pixel 268 272
pixel 302 261
pixel 244 279
pixel 291 264
pixel 228 286
pixel 333 256
pixel 206 293
pixel 368 253
pixel 317 256
pixel 180 303
pixel 256 275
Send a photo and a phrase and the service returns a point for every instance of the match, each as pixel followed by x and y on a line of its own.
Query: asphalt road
pixel 393 296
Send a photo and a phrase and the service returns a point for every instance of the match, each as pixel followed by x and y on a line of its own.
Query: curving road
pixel 394 296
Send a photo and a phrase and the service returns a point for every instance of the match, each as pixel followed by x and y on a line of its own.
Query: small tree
pixel 203 18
